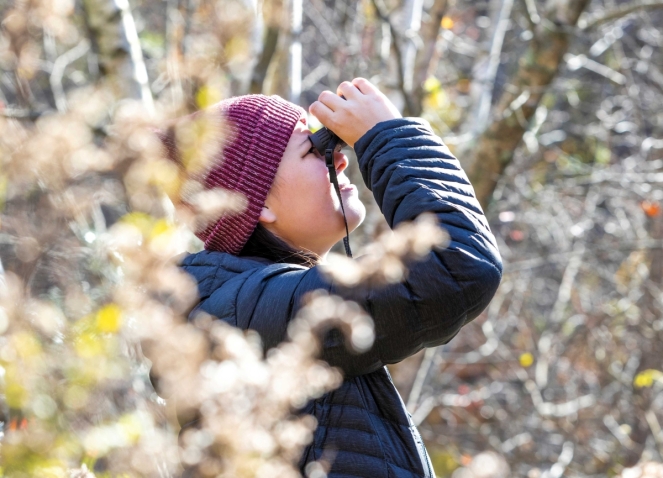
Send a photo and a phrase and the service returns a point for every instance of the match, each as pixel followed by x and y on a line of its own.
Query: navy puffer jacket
pixel 363 427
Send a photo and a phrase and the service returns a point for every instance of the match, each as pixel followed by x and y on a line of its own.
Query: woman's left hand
pixel 364 106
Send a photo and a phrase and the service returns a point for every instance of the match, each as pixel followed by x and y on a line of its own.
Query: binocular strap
pixel 329 160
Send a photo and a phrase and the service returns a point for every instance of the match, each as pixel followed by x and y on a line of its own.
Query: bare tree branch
pixel 487 79
pixel 426 59
pixel 58 69
pixel 626 9
pixel 397 41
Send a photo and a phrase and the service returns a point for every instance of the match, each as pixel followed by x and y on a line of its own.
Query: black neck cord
pixel 329 161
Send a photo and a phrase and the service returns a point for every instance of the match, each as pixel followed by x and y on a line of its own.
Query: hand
pixel 364 106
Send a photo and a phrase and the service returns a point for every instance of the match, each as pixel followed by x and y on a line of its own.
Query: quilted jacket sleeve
pixel 410 171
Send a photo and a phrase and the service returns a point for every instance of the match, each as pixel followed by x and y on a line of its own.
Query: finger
pixel 330 100
pixel 321 111
pixel 365 86
pixel 348 90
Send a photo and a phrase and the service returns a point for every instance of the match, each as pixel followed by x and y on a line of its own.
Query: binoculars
pixel 325 140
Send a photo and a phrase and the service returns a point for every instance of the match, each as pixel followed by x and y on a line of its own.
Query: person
pixel 258 265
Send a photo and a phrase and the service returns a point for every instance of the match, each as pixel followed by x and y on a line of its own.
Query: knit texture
pixel 258 129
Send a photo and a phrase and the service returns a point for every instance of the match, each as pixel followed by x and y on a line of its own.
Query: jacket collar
pixel 213 269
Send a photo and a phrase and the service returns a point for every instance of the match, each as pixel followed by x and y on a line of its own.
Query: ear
pixel 267 216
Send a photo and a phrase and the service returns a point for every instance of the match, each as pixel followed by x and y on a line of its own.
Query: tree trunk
pixel 115 41
pixel 538 67
pixel 295 56
pixel 272 14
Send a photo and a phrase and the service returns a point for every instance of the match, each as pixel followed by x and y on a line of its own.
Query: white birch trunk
pixel 411 27
pixel 296 51
pixel 115 41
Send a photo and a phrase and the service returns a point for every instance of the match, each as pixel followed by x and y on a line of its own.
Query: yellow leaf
pixel 88 345
pixel 166 176
pixel 131 426
pixel 207 96
pixel 15 395
pixel 140 220
pixel 646 378
pixel 237 47
pixel 162 226
pixel 526 359
pixel 109 318
pixel 432 84
pixel 447 23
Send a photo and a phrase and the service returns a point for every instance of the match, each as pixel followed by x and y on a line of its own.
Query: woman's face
pixel 302 207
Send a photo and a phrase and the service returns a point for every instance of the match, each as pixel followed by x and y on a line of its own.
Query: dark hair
pixel 263 243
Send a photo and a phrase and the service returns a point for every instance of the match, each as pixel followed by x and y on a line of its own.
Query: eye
pixel 314 151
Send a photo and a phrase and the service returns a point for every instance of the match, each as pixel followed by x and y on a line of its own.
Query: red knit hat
pixel 259 128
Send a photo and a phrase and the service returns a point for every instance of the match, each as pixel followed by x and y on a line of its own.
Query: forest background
pixel 554 108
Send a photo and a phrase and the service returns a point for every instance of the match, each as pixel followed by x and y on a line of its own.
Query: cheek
pixel 309 193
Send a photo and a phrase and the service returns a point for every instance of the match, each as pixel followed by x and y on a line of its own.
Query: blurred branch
pixel 548 409
pixel 531 13
pixel 175 28
pixel 627 9
pixel 272 12
pixel 427 54
pixel 397 41
pixel 412 42
pixel 654 426
pixel 20 113
pixel 558 469
pixel 420 378
pixel 575 62
pixel 487 79
pixel 612 425
pixel 58 69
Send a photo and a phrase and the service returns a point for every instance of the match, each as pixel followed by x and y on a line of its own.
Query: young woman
pixel 257 266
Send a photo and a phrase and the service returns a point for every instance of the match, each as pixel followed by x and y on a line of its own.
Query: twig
pixel 315 75
pixel 397 52
pixel 21 113
pixel 418 384
pixel 531 13
pixel 575 62
pixel 58 69
pixel 653 423
pixel 557 470
pixel 485 99
pixel 612 425
pixel 559 410
pixel 616 14
pixel 136 55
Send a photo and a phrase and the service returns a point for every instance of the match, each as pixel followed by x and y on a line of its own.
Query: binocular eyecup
pixel 324 139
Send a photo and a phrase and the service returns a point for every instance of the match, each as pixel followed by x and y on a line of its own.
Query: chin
pixel 355 213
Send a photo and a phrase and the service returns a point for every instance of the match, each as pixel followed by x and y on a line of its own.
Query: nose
pixel 340 162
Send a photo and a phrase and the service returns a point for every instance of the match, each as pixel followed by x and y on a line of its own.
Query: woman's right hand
pixel 364 106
